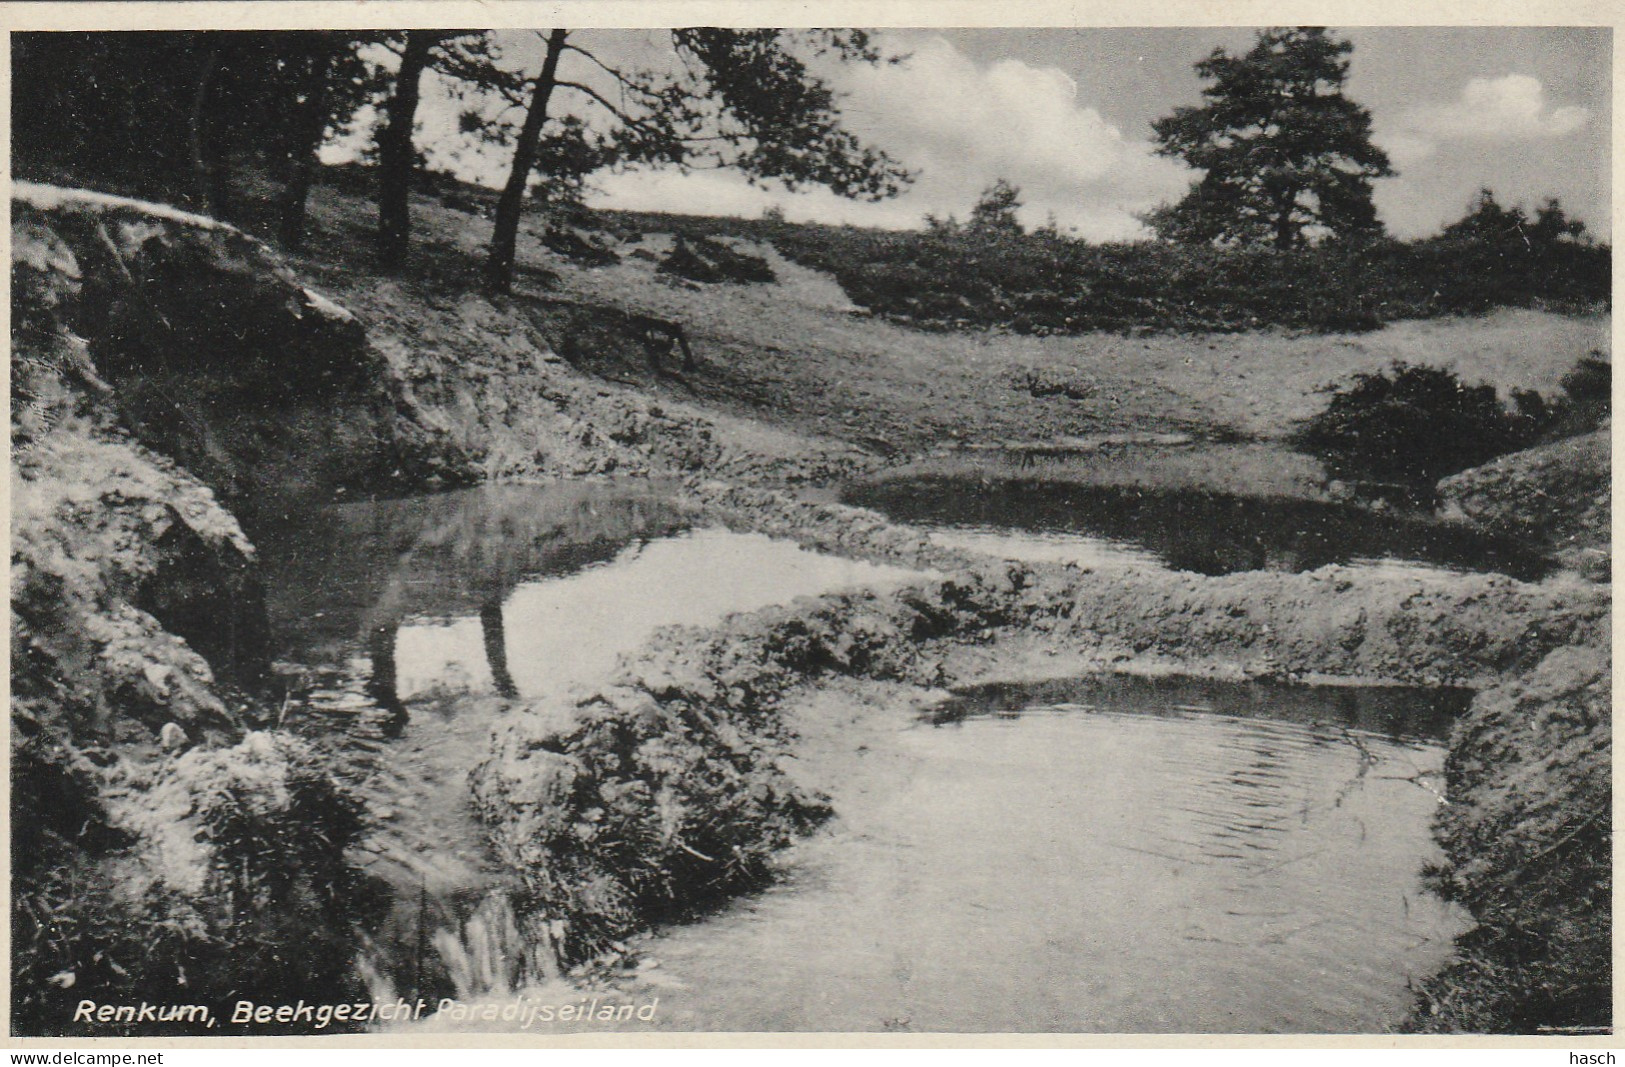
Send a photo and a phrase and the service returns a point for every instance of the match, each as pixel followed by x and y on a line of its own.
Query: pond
pixel 404 629
pixel 1094 854
pixel 1191 530
pixel 1100 855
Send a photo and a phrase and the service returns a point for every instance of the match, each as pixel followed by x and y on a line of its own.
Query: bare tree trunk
pixel 505 235
pixel 306 141
pixel 200 139
pixel 395 153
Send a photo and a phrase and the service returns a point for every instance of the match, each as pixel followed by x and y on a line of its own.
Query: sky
pixel 1065 115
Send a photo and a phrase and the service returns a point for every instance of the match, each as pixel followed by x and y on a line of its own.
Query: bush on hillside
pixel 702 259
pixel 581 246
pixel 1043 283
pixel 1588 392
pixel 1416 425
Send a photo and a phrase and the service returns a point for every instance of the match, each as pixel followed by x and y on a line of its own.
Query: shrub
pixel 1587 397
pixel 1414 425
pixel 702 259
pixel 584 248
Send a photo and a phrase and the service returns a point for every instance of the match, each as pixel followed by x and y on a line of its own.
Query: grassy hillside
pixel 801 354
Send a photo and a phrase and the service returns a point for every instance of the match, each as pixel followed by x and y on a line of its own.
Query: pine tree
pixel 397 157
pixel 1287 157
pixel 735 98
pixel 995 210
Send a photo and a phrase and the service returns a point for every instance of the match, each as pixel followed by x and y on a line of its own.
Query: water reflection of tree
pixel 381 641
pixel 448 556
pixel 496 649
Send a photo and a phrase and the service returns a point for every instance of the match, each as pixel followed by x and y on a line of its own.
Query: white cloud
pixel 960 127
pixel 1506 109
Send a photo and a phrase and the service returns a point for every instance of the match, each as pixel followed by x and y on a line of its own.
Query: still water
pixel 1087 855
pixel 1205 532
pixel 1103 856
pixel 406 628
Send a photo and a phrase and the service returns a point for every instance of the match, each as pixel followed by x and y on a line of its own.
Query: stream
pixel 406 628
pixel 1120 854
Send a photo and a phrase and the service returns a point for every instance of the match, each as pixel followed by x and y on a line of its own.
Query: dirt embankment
pixel 206 349
pixel 160 839
pixel 1528 844
pixel 1557 496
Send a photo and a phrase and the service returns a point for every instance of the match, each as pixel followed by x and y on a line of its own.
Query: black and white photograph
pixel 779 528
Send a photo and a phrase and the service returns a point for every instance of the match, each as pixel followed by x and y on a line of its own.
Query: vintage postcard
pixel 881 520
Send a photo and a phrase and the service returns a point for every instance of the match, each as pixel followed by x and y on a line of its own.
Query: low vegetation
pixel 1415 425
pixel 1045 283
pixel 228 874
pixel 706 259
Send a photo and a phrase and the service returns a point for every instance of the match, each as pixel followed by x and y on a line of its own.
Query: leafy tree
pixel 170 115
pixel 82 111
pixel 1287 157
pixel 1487 222
pixel 732 98
pixel 995 210
pixel 322 80
pixel 1552 226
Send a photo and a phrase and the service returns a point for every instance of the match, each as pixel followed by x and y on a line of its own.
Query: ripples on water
pixel 1129 860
